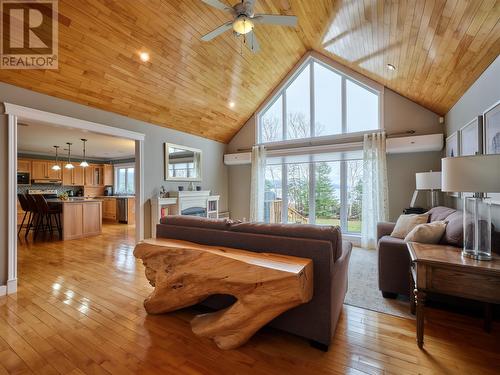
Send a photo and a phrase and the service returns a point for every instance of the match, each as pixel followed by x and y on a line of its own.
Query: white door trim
pixel 15 112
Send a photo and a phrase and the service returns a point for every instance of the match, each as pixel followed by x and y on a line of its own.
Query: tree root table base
pixel 184 274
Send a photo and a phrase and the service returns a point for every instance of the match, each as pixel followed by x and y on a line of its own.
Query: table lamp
pixel 429 181
pixel 478 174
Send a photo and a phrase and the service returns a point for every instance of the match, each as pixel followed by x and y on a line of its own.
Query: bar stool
pixel 23 201
pixel 48 213
pixel 35 217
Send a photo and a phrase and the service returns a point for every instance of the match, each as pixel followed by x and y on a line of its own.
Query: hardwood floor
pixel 79 311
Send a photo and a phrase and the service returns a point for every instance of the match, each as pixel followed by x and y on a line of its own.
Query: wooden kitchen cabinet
pixel 98 175
pixel 89 176
pixel 73 177
pixel 42 170
pixel 39 170
pixel 79 176
pixel 131 211
pixel 52 174
pixel 109 208
pixel 108 175
pixel 24 165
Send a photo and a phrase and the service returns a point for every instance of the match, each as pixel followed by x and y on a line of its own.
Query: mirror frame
pixel 167 163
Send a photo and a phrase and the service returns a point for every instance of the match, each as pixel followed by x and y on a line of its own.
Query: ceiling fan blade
pixel 270 19
pixel 215 33
pixel 219 5
pixel 252 42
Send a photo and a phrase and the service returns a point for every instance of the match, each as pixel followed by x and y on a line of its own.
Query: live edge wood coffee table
pixel 442 269
pixel 184 274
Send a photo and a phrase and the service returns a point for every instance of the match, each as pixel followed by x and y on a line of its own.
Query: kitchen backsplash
pixel 60 189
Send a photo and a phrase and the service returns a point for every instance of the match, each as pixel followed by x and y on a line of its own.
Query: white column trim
pixel 139 189
pixel 12 206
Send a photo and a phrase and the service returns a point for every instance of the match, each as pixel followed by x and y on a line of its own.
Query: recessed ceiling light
pixel 232 104
pixel 391 67
pixel 144 56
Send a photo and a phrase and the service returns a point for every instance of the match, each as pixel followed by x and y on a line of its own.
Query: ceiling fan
pixel 245 20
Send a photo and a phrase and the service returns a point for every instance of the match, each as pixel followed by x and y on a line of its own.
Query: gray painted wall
pixel 480 96
pixel 215 176
pixel 400 114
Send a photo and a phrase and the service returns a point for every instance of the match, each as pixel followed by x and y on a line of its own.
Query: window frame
pixel 345 74
pixel 123 166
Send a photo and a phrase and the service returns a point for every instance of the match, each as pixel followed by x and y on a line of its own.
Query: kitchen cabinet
pixel 73 177
pixel 52 174
pixel 109 208
pixel 131 211
pixel 39 170
pixel 108 175
pixel 89 176
pixel 42 170
pixel 24 165
pixel 98 175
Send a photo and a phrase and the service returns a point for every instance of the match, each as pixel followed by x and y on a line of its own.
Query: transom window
pixel 319 101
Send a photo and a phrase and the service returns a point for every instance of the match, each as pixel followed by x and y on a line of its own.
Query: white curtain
pixel 375 190
pixel 257 183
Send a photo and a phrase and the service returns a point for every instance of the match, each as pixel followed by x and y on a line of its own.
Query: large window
pixel 124 179
pixel 319 101
pixel 323 189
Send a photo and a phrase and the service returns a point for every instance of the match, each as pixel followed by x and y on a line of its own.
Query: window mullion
pixel 284 120
pixel 312 105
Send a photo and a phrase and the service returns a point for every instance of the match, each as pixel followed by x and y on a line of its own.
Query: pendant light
pixel 69 165
pixel 56 166
pixel 84 163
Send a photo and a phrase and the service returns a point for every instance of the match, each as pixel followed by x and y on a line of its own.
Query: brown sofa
pixel 315 320
pixel 393 258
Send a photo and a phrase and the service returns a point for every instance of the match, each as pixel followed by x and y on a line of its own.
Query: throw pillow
pixel 427 233
pixel 406 223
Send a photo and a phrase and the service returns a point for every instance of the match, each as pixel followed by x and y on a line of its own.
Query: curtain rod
pixel 337 141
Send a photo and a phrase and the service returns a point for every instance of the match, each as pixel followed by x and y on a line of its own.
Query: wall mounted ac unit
pixel 418 143
pixel 242 158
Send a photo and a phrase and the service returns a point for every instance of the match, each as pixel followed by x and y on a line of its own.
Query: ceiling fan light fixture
pixel 243 25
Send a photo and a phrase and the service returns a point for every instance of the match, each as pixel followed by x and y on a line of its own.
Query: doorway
pixel 16 114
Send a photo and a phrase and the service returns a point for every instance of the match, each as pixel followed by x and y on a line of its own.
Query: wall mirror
pixel 182 163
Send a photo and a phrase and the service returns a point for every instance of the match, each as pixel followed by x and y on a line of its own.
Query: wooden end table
pixel 442 269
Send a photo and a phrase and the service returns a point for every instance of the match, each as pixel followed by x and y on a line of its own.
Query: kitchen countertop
pixel 116 196
pixel 73 200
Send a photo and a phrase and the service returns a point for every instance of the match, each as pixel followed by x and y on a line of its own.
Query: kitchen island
pixel 81 217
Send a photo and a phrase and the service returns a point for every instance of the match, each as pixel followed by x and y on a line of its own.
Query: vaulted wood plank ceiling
pixel 438 47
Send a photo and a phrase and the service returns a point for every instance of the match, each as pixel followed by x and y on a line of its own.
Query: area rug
pixel 363 286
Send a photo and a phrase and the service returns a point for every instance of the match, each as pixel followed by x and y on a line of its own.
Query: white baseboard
pixel 3 290
pixel 11 286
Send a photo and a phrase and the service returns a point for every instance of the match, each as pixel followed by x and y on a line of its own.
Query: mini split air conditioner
pixel 418 143
pixel 238 159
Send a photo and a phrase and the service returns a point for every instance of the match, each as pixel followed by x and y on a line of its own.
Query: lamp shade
pixel 428 180
pixel 473 174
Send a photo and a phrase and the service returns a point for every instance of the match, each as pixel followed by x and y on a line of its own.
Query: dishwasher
pixel 122 208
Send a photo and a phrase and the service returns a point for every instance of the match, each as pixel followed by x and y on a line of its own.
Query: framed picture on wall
pixel 453 150
pixel 471 137
pixel 453 145
pixel 491 120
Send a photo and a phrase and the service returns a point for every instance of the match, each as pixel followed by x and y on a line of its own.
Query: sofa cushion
pixel 196 221
pixel 328 233
pixel 440 213
pixel 454 233
pixel 430 233
pixel 406 223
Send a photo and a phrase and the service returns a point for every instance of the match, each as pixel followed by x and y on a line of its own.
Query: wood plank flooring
pixel 79 311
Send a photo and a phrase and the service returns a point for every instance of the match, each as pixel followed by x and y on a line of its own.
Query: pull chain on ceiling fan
pixel 245 20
